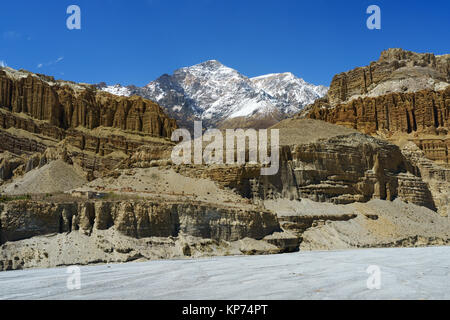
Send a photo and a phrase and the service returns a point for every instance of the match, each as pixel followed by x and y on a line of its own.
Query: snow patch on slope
pixel 295 92
pixel 118 90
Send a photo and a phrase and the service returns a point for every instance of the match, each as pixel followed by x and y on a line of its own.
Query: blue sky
pixel 136 41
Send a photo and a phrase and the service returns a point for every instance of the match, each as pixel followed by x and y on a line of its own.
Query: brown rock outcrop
pixel 395 112
pixel 19 145
pixel 436 149
pixel 340 169
pixel 403 92
pixel 437 177
pixel 346 169
pixel 65 105
pixel 37 112
pixel 394 64
pixel 424 114
pixel 138 219
pixel 8 163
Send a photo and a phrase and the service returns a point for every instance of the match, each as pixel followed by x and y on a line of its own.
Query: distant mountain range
pixel 223 97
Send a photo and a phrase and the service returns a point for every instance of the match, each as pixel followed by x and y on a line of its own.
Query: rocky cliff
pixel 397 70
pixel 67 105
pixel 138 219
pixel 117 197
pixel 402 93
pixel 315 163
pixel 134 226
pixel 94 129
pixel 437 177
pixel 395 112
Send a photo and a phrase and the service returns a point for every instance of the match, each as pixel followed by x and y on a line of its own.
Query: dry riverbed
pixel 406 273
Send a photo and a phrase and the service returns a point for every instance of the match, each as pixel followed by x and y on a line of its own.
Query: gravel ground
pixel 57 176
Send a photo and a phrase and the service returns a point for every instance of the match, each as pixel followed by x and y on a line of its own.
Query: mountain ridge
pixel 215 93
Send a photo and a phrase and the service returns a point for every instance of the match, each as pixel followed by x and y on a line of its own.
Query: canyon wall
pixel 437 177
pixel 37 113
pixel 137 219
pixel 404 93
pixel 66 105
pixel 340 170
pixel 395 112
pixel 43 234
pixel 424 114
pixel 393 64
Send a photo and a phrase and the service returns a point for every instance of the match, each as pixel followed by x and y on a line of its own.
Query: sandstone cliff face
pixel 395 112
pixel 69 106
pixel 37 112
pixel 418 113
pixel 437 177
pixel 136 219
pixel 377 224
pixel 345 169
pixel 97 151
pixel 19 145
pixel 342 169
pixel 402 93
pixel 9 163
pixel 436 149
pixel 393 65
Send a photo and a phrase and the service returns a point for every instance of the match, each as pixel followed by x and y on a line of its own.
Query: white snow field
pixel 406 273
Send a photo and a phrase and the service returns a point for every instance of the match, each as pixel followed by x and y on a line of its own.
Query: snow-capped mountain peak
pixel 295 92
pixel 215 92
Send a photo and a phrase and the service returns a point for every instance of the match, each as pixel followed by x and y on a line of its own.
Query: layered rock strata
pixel 402 93
pixel 67 106
pixel 437 177
pixel 122 231
pixel 137 219
pixel 395 112
pixel 394 66
pixel 340 169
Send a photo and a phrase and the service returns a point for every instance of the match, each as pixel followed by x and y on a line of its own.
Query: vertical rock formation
pixel 437 177
pixel 341 168
pixel 394 112
pixel 136 219
pixel 67 105
pixel 395 67
pixel 402 93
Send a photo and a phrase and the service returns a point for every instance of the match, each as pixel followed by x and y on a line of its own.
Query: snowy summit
pixel 214 92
